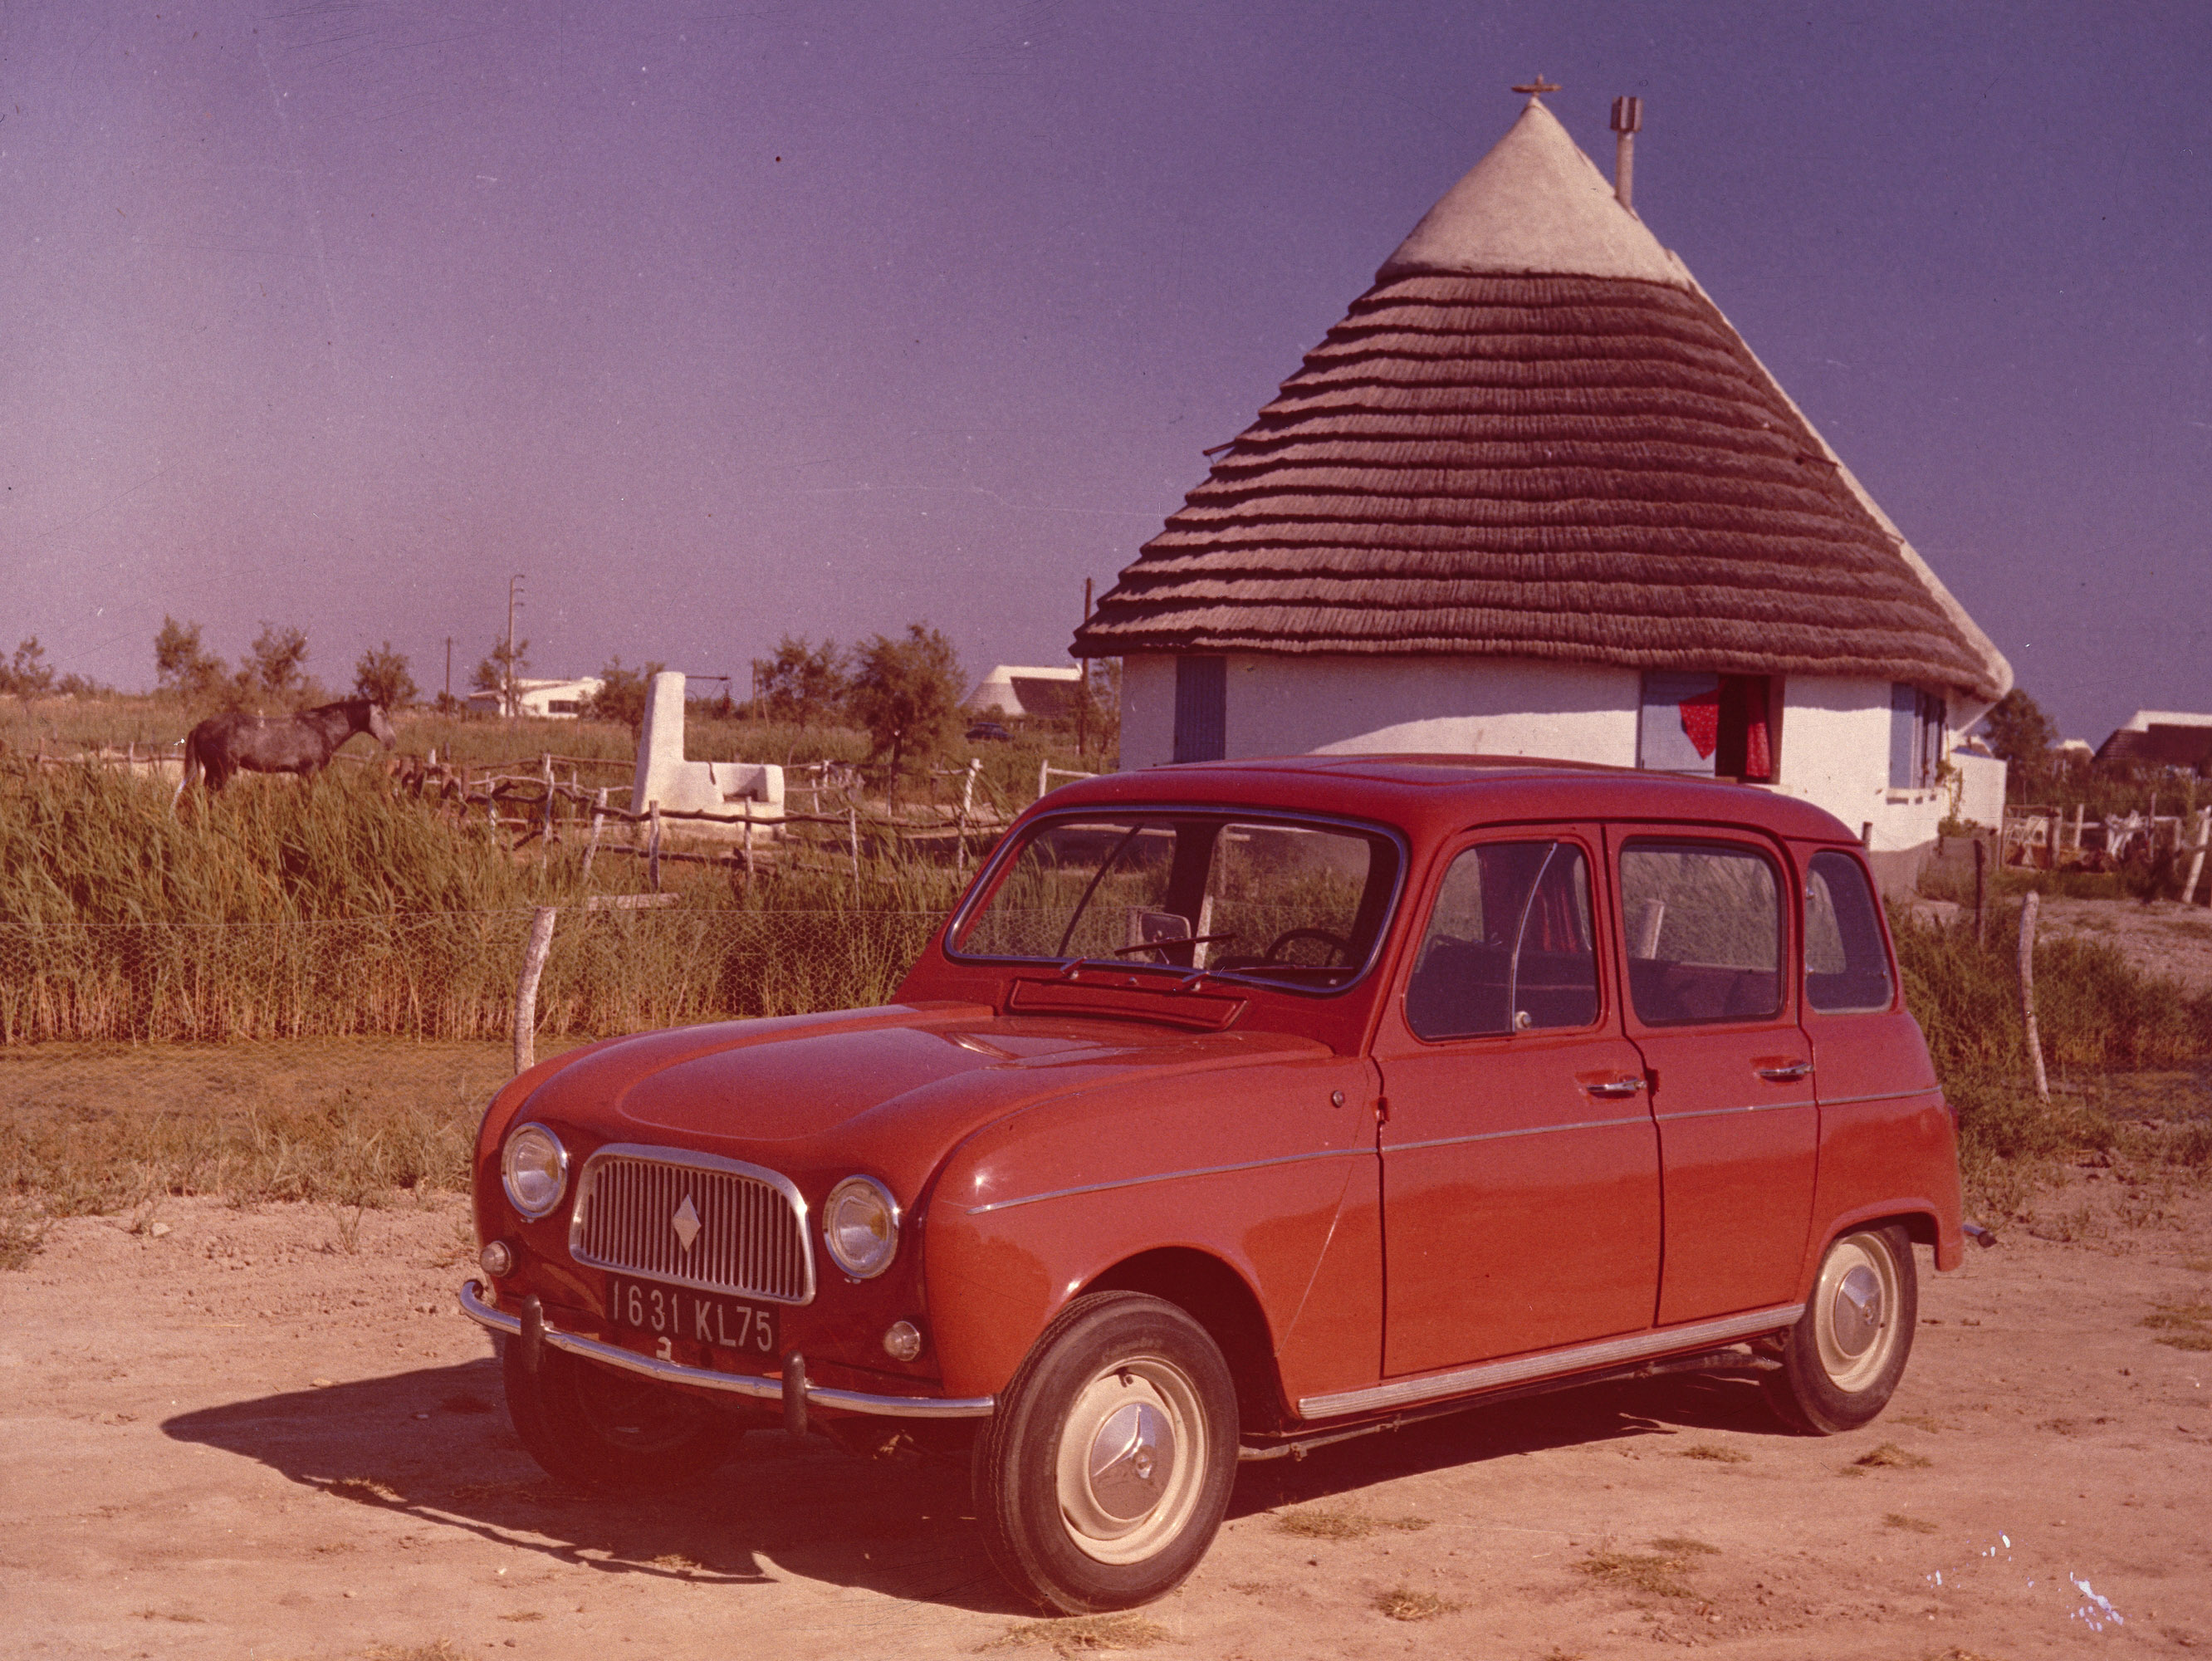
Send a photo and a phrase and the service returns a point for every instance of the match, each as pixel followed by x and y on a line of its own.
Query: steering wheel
pixel 1337 944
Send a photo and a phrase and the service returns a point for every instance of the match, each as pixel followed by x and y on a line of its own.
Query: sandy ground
pixel 239 1438
pixel 2162 938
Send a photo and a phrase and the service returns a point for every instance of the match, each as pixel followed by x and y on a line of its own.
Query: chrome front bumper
pixel 732 1383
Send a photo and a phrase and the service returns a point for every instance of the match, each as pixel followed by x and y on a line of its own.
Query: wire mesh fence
pixel 343 1061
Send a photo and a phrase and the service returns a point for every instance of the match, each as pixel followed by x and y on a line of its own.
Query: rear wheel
pixel 1101 1478
pixel 1842 1360
pixel 603 1429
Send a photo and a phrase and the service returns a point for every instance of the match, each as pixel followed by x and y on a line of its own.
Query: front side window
pixel 1846 968
pixel 1509 945
pixel 1294 903
pixel 1703 925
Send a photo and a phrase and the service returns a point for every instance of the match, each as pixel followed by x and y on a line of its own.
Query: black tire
pixel 600 1428
pixel 1842 1360
pixel 1101 1479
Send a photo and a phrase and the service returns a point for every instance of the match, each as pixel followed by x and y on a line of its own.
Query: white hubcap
pixel 1132 1456
pixel 1854 1310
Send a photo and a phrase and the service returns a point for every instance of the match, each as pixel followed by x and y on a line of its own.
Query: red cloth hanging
pixel 1701 722
pixel 1758 754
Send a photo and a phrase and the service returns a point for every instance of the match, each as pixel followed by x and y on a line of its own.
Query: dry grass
pixel 439 1649
pixel 1890 1457
pixel 365 1490
pixel 1714 1453
pixel 1898 1519
pixel 2186 1323
pixel 1659 1574
pixel 1084 1635
pixel 1317 1523
pixel 1404 1604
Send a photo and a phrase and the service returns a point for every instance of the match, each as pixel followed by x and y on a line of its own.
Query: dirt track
pixel 238 1439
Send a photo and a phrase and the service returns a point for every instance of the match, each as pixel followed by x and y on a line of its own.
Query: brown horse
pixel 301 744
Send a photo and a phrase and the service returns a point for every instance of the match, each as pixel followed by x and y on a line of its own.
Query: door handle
pixel 1612 1090
pixel 1785 1073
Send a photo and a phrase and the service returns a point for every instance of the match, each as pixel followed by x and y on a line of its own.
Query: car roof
pixel 1436 795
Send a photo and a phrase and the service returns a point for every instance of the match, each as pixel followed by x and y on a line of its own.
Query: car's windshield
pixel 1294 903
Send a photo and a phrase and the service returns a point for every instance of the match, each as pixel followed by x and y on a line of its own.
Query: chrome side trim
pixel 1748 1107
pixel 1169 1177
pixel 650 1153
pixel 1526 1130
pixel 734 1383
pixel 1404 1392
pixel 1882 1096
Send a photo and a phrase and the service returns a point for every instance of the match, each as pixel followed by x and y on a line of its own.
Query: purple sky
pixel 726 321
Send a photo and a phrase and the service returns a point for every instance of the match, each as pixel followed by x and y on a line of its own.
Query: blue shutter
pixel 1903 722
pixel 1201 720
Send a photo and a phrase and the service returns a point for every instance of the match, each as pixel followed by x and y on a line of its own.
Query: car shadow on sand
pixel 1657 1409
pixel 435 1445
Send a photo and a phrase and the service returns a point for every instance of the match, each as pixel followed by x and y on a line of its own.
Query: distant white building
pixel 555 700
pixel 1012 690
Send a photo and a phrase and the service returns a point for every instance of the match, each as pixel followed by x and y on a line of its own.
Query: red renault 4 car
pixel 1240 1107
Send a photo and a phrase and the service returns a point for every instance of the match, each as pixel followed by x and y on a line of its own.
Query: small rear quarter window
pixel 1846 967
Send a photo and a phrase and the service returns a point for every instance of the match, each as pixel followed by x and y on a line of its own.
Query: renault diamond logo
pixel 686 1220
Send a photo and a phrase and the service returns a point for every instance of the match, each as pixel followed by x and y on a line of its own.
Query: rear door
pixel 1520 1167
pixel 1705 930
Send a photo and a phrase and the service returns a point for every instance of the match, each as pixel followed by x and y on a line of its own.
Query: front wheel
pixel 1101 1478
pixel 599 1428
pixel 1842 1360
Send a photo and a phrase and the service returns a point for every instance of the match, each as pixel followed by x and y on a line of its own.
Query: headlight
pixel 534 1166
pixel 860 1225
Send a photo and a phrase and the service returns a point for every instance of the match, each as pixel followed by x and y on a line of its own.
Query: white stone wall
pixel 1833 741
pixel 664 776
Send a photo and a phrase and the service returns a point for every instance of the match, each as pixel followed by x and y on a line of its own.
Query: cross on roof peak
pixel 1539 85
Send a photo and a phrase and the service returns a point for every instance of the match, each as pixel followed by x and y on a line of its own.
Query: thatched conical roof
pixel 1536 437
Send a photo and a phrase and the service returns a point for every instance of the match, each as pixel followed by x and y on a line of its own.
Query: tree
pixel 28 676
pixel 801 682
pixel 382 673
pixel 1095 707
pixel 2019 733
pixel 622 693
pixel 499 672
pixel 907 693
pixel 181 664
pixel 275 661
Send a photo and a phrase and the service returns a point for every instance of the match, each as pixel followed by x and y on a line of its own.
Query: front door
pixel 1520 1166
pixel 1705 934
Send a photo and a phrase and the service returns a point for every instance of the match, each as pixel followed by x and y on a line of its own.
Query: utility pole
pixel 449 672
pixel 507 674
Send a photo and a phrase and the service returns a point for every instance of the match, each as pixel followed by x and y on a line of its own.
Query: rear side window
pixel 1846 970
pixel 1509 945
pixel 1702 924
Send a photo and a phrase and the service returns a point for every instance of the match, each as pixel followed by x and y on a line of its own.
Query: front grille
pixel 751 1236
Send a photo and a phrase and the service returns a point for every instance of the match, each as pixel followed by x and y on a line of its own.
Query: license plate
pixel 687 1317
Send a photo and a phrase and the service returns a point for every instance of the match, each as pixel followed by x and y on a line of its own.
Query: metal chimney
pixel 1627 116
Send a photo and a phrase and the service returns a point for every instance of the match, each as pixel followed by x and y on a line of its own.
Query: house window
pixel 1916 736
pixel 561 707
pixel 1717 725
pixel 1201 724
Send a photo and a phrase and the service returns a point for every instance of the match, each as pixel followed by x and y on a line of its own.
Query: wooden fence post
pixel 749 843
pixel 598 806
pixel 526 989
pixel 652 843
pixel 1981 888
pixel 853 840
pixel 2197 860
pixel 545 765
pixel 2027 908
pixel 1043 769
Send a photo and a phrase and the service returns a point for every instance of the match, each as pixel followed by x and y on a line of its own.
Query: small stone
pixel 160 1229
pixel 323 1384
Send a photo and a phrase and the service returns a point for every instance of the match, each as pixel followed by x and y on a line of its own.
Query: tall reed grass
pixel 278 911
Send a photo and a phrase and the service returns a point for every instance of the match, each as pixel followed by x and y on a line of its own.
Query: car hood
pixel 888 1090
